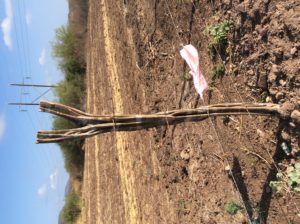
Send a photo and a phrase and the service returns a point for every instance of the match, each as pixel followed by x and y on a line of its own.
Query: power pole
pixel 23 104
pixel 33 85
pixel 33 103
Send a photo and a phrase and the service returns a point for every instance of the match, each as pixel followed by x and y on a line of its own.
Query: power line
pixel 22 38
pixel 20 61
pixel 27 40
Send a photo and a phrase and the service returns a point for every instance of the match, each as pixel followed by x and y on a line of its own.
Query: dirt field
pixel 179 174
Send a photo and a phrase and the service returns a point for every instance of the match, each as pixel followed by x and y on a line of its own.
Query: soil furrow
pixel 127 177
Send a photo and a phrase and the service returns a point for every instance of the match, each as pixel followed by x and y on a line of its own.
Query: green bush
pixel 218 38
pixel 71 209
pixel 219 32
pixel 231 208
pixel 71 150
pixel 63 46
pixel 70 91
pixel 66 49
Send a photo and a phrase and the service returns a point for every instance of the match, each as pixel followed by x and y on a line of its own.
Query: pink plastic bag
pixel 190 54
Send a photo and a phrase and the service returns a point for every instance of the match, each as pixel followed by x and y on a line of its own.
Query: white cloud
pixel 28 18
pixel 42 191
pixel 2 126
pixel 6 24
pixel 42 58
pixel 53 180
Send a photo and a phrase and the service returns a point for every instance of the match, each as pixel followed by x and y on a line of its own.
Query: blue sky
pixel 32 176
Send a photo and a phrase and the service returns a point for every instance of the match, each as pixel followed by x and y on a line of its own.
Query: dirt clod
pixel 263 81
pixel 185 154
pixel 286 109
pixel 294 51
pixel 285 136
pixel 296 116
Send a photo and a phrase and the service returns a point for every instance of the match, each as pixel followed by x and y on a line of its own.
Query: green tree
pixel 71 210
pixel 65 49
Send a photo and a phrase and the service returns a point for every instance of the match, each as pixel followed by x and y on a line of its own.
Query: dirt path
pixel 125 169
pixel 114 188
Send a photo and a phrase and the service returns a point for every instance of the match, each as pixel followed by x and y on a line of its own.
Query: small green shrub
pixel 218 39
pixel 71 150
pixel 71 210
pixel 219 32
pixel 231 208
pixel 218 71
pixel 288 180
pixel 71 91
pixel 212 51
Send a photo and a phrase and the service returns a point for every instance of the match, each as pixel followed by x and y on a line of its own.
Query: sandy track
pixel 119 168
pixel 125 169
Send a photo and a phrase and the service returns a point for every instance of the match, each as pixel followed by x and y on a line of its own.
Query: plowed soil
pixel 179 174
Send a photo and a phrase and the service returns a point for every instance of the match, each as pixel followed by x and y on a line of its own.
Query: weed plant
pixel 217 72
pixel 288 180
pixel 212 51
pixel 218 33
pixel 231 208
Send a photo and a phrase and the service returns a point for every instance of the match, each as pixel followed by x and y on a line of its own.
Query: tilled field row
pixel 115 189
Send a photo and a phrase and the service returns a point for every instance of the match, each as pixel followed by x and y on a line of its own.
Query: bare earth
pixel 174 174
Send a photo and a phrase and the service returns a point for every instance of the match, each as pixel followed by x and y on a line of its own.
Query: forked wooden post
pixel 92 124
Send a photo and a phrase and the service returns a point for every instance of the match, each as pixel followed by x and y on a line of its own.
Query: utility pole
pixel 32 85
pixel 33 103
pixel 23 104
